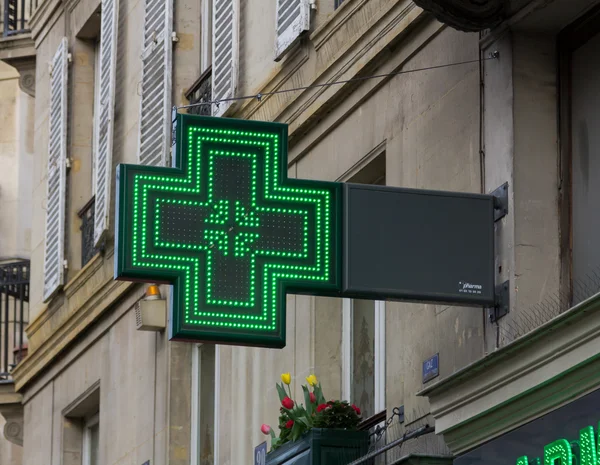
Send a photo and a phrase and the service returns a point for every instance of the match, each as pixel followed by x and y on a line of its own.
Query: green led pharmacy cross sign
pixel 229 230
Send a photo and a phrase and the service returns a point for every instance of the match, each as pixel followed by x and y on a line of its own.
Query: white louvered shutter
pixel 104 122
pixel 54 248
pixel 225 53
pixel 293 18
pixel 155 115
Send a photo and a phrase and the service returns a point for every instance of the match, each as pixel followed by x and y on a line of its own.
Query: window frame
pixel 195 439
pixel 371 170
pixel 379 365
pixel 206 24
pixel 89 423
pixel 95 111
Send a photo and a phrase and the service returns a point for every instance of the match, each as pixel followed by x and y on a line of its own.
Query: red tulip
pixel 287 403
pixel 265 429
pixel 313 398
pixel 356 409
pixel 289 424
pixel 322 407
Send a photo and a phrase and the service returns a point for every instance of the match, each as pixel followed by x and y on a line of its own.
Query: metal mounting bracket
pixel 500 202
pixel 502 306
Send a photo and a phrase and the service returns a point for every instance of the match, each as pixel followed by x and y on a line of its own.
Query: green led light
pixel 562 451
pixel 587 447
pixel 559 450
pixel 229 230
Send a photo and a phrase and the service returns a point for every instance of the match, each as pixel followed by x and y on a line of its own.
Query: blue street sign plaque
pixel 431 368
pixel 260 454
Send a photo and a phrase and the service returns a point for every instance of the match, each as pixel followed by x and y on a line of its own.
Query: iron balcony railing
pixel 15 16
pixel 88 250
pixel 200 92
pixel 14 315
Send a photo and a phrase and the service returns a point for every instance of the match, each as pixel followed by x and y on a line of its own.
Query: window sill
pixel 61 297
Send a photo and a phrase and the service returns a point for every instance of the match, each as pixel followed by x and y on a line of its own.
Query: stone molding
pixel 339 18
pixel 11 409
pixel 26 68
pixel 19 52
pixel 13 431
pixel 537 373
pixel 85 298
pixel 47 310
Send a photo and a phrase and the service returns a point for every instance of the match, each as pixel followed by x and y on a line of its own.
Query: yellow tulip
pixel 286 378
pixel 312 380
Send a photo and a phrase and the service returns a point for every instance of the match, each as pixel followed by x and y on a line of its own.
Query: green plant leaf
pixel 309 406
pixel 275 444
pixel 296 430
pixel 319 394
pixel 281 392
pixel 304 421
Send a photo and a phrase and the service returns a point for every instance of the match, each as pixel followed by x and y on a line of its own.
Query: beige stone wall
pixel 16 159
pixel 129 368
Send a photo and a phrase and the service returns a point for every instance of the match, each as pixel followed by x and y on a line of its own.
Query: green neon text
pixel 562 452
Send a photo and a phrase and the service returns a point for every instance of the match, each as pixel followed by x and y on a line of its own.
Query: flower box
pixel 321 446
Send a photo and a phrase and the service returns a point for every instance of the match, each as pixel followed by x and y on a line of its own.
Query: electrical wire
pixel 259 96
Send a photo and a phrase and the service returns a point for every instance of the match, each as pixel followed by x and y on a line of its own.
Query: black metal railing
pixel 200 92
pixel 88 249
pixel 15 19
pixel 14 315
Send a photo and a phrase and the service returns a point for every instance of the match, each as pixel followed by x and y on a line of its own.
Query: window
pixel 225 54
pixel 205 396
pixel 89 41
pixel 54 247
pixel 206 18
pixel 80 442
pixel 337 3
pixel 293 19
pixel 363 354
pixel 581 96
pixel 91 439
pixel 363 321
pixel 96 109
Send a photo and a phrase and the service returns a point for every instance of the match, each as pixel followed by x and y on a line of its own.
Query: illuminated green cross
pixel 228 230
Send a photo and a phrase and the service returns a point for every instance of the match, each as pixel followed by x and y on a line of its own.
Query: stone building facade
pixel 93 389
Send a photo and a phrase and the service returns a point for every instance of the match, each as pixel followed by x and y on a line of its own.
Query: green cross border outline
pixel 141 256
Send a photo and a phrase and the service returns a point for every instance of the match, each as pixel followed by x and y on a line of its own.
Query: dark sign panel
pixel 228 230
pixel 418 245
